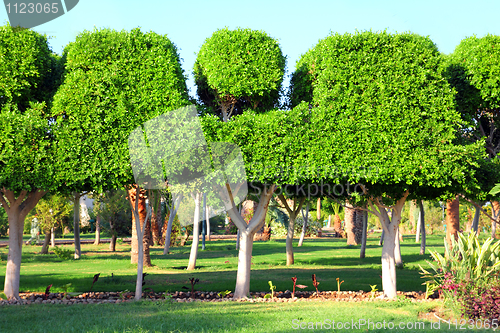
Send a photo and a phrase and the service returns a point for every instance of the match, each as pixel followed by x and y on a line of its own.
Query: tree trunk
pixel 381 241
pixel 304 226
pixel 388 262
pixel 390 226
pixel 76 224
pixel 475 222
pixel 496 212
pixel 155 218
pixel 364 235
pixel 398 260
pixel 318 209
pixel 46 240
pixel 204 222
pixel 97 240
pixel 329 225
pixel 289 240
pixel 52 237
pixel 134 251
pixel 412 215
pixel 421 222
pixel 238 236
pixel 452 219
pixel 350 224
pixel 16 210
pixel 242 288
pixel 207 218
pixel 248 230
pixel 174 206
pixel 196 232
pixel 419 225
pixel 112 243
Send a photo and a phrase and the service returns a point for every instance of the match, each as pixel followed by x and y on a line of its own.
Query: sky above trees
pixel 298 25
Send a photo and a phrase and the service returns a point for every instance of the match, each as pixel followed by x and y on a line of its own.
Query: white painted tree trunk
pixel 421 222
pixel 398 260
pixel 244 264
pixel 16 209
pixel 247 232
pixel 76 224
pixel 304 226
pixel 390 227
pixel 388 262
pixel 475 221
pixel 173 211
pixel 13 272
pixel 196 232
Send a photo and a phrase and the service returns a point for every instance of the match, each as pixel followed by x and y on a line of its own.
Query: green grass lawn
pixel 328 258
pixel 162 316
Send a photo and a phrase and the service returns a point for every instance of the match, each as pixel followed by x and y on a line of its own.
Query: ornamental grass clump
pixel 467 276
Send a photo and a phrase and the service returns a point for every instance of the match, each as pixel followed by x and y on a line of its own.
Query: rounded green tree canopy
pixel 114 82
pixel 383 113
pixel 238 69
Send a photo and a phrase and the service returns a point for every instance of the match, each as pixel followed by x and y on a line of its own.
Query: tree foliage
pixel 239 69
pixel 389 114
pixel 113 82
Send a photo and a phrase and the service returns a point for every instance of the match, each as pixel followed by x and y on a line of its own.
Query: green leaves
pixel 240 66
pixel 114 82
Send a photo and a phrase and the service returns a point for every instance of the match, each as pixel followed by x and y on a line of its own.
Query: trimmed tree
pixel 391 124
pixel 113 82
pixel 237 70
pixel 28 73
pixel 473 70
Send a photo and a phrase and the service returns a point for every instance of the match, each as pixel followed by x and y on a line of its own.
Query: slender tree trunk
pixel 46 241
pixel 381 241
pixel 364 235
pixel 207 218
pixel 304 226
pixel 496 212
pixel 155 217
pixel 318 209
pixel 289 240
pixel 452 219
pixel 412 215
pixel 238 236
pixel 97 230
pixel 52 237
pixel 173 211
pixel 421 222
pixel 196 233
pixel 204 222
pixel 475 222
pixel 419 225
pixel 76 224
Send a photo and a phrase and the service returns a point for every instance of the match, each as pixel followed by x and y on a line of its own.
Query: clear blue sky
pixel 298 25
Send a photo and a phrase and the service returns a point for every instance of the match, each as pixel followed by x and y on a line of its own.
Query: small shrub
pixel 62 253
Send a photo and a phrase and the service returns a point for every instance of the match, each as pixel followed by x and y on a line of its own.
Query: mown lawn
pixel 328 258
